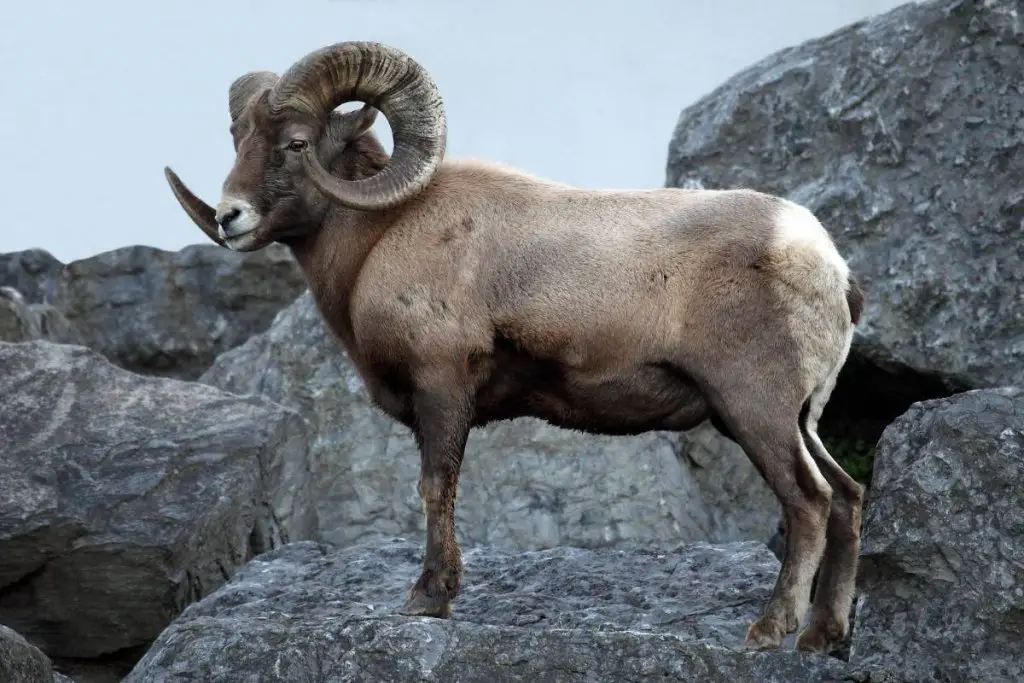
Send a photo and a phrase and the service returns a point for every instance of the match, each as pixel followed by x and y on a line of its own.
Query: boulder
pixel 124 498
pixel 22 321
pixel 33 272
pixel 638 613
pixel 902 133
pixel 524 484
pixel 53 326
pixel 21 662
pixel 170 313
pixel 17 322
pixel 942 568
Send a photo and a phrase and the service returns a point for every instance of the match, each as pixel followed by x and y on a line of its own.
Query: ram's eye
pixel 297 145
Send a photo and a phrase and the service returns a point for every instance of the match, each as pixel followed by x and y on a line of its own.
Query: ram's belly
pixel 637 398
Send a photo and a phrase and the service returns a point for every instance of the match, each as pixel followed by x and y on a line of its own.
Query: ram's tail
pixel 854 298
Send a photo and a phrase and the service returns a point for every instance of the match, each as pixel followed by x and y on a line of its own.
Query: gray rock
pixel 33 272
pixel 903 134
pixel 524 483
pixel 53 326
pixel 942 569
pixel 123 498
pixel 170 313
pixel 21 321
pixel 305 612
pixel 17 321
pixel 21 662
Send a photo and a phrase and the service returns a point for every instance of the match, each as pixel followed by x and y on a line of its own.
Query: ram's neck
pixel 331 260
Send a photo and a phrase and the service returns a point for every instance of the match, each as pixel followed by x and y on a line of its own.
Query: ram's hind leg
pixel 766 425
pixel 829 624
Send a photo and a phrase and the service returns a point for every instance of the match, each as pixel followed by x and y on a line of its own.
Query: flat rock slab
pixel 123 498
pixel 942 569
pixel 308 612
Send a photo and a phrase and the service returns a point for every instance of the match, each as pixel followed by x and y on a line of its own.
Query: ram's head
pixel 287 134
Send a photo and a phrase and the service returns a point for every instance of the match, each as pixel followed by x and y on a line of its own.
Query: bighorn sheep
pixel 465 292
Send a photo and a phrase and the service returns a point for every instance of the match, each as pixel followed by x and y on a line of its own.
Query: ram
pixel 466 292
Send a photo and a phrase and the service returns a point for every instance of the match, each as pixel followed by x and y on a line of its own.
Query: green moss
pixel 856 456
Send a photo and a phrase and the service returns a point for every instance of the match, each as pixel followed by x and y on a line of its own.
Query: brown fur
pixel 493 295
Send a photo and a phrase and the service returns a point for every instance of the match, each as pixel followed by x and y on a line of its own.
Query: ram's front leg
pixel 443 409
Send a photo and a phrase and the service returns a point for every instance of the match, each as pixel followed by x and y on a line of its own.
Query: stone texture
pixel 903 133
pixel 942 572
pixel 54 326
pixel 123 498
pixel 170 313
pixel 17 323
pixel 33 272
pixel 524 483
pixel 21 662
pixel 307 612
pixel 21 321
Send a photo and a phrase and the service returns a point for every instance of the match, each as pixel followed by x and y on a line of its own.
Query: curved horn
pixel 388 80
pixel 245 86
pixel 201 213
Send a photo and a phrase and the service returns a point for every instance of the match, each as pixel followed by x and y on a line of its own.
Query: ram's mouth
pixel 245 241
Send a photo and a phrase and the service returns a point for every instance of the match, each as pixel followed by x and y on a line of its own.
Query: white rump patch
pixel 797 227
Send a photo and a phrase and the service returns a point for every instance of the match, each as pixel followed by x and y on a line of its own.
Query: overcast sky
pixel 98 96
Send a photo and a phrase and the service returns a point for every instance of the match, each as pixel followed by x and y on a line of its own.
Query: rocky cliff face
pixel 252 517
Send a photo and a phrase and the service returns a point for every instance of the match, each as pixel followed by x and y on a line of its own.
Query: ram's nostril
pixel 229 215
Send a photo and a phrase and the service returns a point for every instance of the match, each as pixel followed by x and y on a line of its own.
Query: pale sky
pixel 98 96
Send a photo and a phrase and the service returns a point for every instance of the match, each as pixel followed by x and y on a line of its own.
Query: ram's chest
pixel 412 323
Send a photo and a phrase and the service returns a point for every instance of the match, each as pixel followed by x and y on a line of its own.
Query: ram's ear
pixel 355 123
pixel 343 127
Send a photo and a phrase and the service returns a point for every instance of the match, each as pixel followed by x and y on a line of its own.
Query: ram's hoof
pixel 764 634
pixel 420 604
pixel 823 635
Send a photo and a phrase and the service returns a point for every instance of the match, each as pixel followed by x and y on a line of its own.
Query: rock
pixel 123 498
pixel 148 310
pixel 309 612
pixel 170 313
pixel 33 272
pixel 902 133
pixel 942 568
pixel 53 326
pixel 20 662
pixel 524 484
pixel 22 321
pixel 17 322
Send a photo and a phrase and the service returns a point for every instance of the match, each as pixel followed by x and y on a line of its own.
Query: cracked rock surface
pixel 307 612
